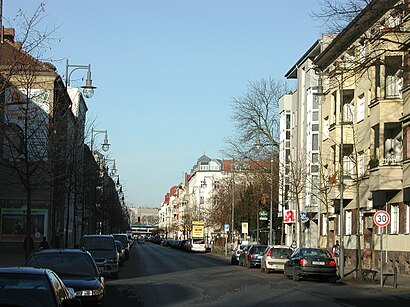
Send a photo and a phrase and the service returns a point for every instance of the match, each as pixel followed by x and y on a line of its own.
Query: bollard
pixel 395 285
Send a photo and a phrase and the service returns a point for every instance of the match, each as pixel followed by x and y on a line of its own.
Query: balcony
pixel 391 161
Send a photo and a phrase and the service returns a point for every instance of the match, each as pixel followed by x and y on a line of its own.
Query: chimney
pixel 9 34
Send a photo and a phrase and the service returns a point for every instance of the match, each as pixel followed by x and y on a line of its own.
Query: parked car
pixel 243 254
pixel 121 252
pixel 311 262
pixel 274 258
pixel 76 268
pixel 236 253
pixel 34 287
pixel 123 238
pixel 102 248
pixel 253 255
pixel 197 245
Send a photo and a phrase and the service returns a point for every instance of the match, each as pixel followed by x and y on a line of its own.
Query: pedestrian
pixel 293 246
pixel 44 244
pixel 336 249
pixel 30 244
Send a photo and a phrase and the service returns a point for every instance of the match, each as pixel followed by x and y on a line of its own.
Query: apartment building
pixel 300 148
pixel 363 118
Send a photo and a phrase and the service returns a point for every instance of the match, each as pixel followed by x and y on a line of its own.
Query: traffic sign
pixel 381 218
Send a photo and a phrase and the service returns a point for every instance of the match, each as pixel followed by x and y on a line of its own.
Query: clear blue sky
pixel 166 72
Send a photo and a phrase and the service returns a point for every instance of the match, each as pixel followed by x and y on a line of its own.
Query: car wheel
pixel 296 276
pixel 232 262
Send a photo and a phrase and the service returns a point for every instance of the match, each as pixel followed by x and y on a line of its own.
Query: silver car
pixel 274 258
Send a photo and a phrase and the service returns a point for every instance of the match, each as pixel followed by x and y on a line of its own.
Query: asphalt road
pixel 160 276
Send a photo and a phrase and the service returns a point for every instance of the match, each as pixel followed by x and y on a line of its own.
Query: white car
pixel 197 245
pixel 274 258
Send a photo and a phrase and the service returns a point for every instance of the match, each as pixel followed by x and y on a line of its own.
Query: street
pixel 160 276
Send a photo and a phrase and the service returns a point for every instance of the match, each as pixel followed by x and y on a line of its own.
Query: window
pixel 406 142
pixel 348 230
pixel 361 223
pixel 394 76
pixel 315 116
pixel 324 225
pixel 315 142
pixel 348 106
pixel 392 143
pixel 407 219
pixel 361 166
pixel 360 108
pixel 394 223
pixel 326 128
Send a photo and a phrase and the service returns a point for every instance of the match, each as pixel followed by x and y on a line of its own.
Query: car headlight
pixel 112 260
pixel 88 293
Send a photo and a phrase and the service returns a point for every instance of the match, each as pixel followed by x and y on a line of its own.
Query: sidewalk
pixel 403 280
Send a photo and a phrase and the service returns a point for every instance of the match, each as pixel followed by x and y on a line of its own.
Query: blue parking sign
pixel 226 227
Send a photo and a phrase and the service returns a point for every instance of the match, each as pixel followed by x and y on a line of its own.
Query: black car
pixel 34 287
pixel 311 262
pixel 77 269
pixel 252 257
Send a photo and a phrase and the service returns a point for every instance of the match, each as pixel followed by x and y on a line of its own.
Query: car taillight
pixel 332 263
pixel 249 256
pixel 269 253
pixel 238 253
pixel 303 262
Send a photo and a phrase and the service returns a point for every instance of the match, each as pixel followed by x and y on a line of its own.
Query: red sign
pixel 289 216
pixel 381 218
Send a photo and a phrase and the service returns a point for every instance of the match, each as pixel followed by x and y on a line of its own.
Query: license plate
pixel 318 262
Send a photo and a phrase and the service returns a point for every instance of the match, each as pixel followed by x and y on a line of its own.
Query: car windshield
pixel 198 241
pixel 315 253
pixel 258 249
pixel 64 264
pixel 98 243
pixel 281 252
pixel 25 290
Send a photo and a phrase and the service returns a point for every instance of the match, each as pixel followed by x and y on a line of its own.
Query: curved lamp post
pixel 88 88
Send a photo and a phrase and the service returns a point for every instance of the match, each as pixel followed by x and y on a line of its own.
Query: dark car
pixel 34 287
pixel 123 238
pixel 104 251
pixel 242 255
pixel 76 268
pixel 253 255
pixel 311 262
pixel 236 253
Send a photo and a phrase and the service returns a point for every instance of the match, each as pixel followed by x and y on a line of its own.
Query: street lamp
pixel 88 88
pixel 258 146
pixel 105 146
pixel 113 168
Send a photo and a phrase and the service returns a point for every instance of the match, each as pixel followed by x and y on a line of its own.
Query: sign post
pixel 381 218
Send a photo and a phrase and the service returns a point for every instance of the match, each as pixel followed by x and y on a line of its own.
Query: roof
pixel 313 51
pixel 357 27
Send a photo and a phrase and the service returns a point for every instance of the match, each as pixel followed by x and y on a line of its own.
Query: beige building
pixel 363 116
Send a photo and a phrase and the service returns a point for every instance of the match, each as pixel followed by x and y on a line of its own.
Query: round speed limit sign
pixel 381 218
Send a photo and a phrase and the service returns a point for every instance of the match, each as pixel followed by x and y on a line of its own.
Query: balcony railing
pixel 391 161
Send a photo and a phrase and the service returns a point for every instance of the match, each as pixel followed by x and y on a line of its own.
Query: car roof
pixel 62 251
pixel 24 270
pixel 280 246
pixel 98 236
